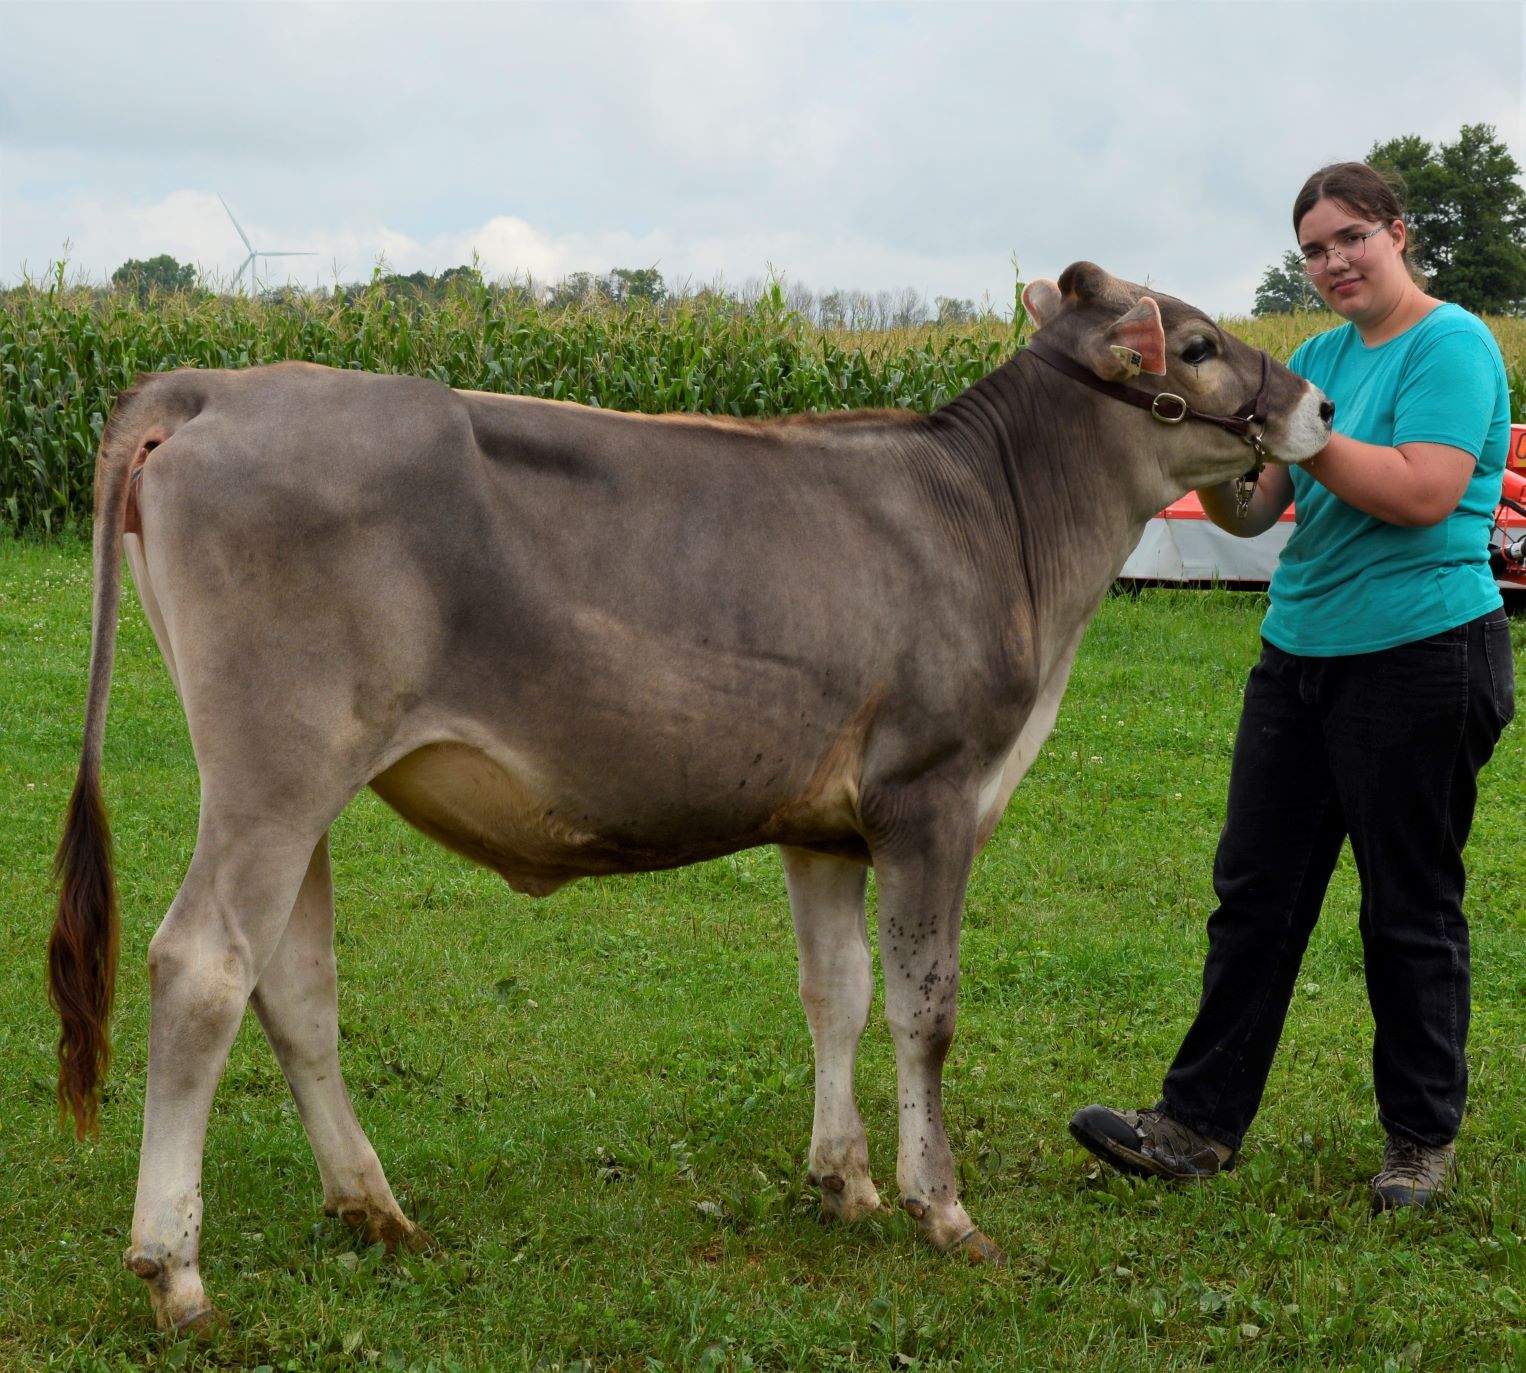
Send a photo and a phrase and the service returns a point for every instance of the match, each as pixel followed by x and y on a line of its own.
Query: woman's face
pixel 1366 289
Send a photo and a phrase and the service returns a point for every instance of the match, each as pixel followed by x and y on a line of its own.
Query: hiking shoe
pixel 1412 1174
pixel 1149 1144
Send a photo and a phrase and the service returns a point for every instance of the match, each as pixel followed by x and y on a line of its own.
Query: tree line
pixel 840 308
pixel 1466 217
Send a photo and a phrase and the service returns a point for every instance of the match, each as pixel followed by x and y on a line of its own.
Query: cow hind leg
pixel 221 930
pixel 296 999
pixel 836 985
pixel 921 876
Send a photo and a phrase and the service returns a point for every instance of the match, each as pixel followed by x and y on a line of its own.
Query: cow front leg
pixel 203 963
pixel 921 874
pixel 826 897
pixel 296 1000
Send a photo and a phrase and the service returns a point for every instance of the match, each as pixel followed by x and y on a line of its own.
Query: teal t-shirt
pixel 1347 581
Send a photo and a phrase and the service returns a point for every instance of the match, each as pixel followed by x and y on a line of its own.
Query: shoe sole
pixel 1400 1198
pixel 1113 1152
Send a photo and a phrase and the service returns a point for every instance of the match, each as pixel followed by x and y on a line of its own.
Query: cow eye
pixel 1199 350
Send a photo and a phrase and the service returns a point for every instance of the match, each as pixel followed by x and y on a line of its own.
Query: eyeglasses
pixel 1349 248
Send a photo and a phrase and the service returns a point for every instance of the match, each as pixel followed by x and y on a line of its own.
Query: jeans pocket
pixel 1501 668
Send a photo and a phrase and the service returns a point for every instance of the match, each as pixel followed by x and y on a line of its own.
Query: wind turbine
pixel 254 253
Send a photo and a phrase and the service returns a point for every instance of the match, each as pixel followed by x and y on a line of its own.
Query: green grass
pixel 599 1104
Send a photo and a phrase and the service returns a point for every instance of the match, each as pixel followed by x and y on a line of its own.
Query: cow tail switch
pixel 82 951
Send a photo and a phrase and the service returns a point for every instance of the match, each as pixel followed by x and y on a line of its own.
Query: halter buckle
pixel 1175 400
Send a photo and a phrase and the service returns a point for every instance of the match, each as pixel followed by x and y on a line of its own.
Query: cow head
pixel 1154 343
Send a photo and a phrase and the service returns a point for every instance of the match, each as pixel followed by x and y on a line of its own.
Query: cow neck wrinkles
pixel 1041 443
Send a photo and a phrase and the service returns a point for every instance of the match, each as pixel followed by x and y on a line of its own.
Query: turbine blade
pixel 237 226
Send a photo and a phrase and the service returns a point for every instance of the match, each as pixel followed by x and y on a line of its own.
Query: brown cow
pixel 567 642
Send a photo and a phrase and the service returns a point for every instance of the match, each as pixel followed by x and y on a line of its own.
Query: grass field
pixel 599 1104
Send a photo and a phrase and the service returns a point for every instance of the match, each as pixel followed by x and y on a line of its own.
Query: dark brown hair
pixel 82 953
pixel 1363 190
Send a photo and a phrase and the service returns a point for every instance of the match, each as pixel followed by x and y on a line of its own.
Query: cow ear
pixel 1041 299
pixel 1131 344
pixel 1138 340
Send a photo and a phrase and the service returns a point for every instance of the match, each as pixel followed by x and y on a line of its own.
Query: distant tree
pixel 1467 211
pixel 573 290
pixel 708 298
pixel 1285 288
pixel 423 286
pixel 909 308
pixel 160 273
pixel 801 300
pixel 462 278
pixel 619 286
pixel 414 284
pixel 519 292
pixel 625 284
pixel 287 296
pixel 950 310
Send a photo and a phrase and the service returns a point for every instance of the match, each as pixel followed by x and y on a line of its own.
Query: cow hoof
pixel 205 1324
pixel 418 1241
pixel 383 1228
pixel 975 1248
pixel 175 1292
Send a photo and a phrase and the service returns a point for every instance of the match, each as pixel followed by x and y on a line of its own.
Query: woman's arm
pixel 1414 485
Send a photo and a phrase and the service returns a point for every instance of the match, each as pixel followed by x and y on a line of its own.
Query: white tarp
pixel 1181 544
pixel 1197 550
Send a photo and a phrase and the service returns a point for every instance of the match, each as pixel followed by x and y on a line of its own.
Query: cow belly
pixel 478 806
pixel 538 838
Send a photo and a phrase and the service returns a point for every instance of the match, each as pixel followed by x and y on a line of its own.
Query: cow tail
pixel 82 952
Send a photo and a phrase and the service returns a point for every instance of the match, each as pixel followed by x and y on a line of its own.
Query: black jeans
pixel 1384 748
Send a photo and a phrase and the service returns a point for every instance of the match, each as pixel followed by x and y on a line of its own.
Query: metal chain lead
pixel 1245 485
pixel 1245 489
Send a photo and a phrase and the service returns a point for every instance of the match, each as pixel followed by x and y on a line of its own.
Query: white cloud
pixel 873 145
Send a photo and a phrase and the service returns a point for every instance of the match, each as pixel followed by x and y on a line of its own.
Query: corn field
pixel 66 351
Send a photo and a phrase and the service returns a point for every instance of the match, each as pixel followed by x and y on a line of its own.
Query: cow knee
pixel 169 959
pixel 204 989
pixel 927 1026
pixel 844 996
pixel 938 1034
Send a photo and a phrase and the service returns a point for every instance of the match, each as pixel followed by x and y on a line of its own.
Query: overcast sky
pixel 869 146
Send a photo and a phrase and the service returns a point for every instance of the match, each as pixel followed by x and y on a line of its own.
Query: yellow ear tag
pixel 1131 359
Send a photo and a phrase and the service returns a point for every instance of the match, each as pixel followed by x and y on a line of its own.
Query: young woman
pixel 1384 682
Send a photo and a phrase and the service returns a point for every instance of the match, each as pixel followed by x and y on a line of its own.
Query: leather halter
pixel 1248 423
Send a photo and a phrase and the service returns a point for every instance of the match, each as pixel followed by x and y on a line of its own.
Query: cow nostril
pixel 1327 410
